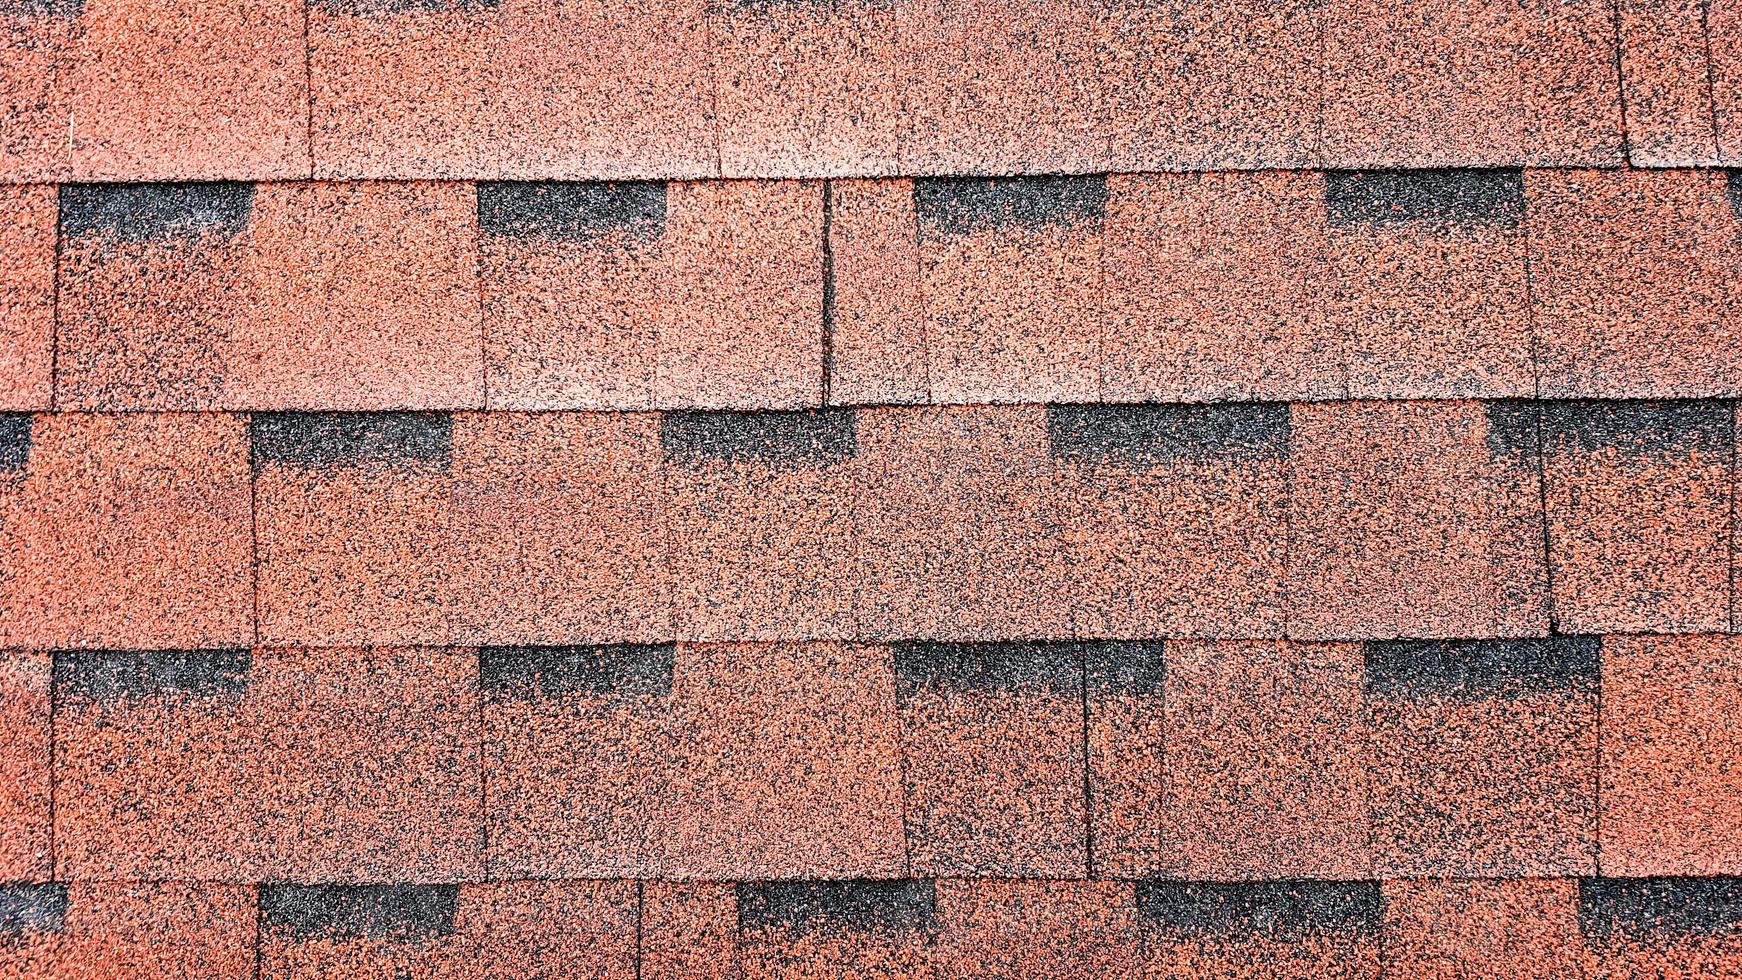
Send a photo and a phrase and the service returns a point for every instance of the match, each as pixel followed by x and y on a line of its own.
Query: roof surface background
pixel 877 488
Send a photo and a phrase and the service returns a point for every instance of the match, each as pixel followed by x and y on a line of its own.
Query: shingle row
pixel 1335 520
pixel 616 930
pixel 784 294
pixel 1213 760
pixel 263 89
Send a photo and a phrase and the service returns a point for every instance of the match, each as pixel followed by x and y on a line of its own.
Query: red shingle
pixel 684 295
pixel 1668 928
pixel 558 528
pixel 1631 276
pixel 718 762
pixel 523 930
pixel 126 531
pixel 1665 61
pixel 810 89
pixel 538 90
pixel 312 765
pixel 1415 519
pixel 1490 83
pixel 1427 283
pixel 762 525
pixel 1029 101
pixel 1268 762
pixel 1672 796
pixel 36 39
pixel 1289 930
pixel 689 931
pixel 1724 41
pixel 877 322
pixel 1213 289
pixel 24 767
pixel 188 89
pixel 308 295
pixel 792 930
pixel 1174 517
pixel 993 747
pixel 1010 279
pixel 1455 930
pixel 1019 930
pixel 1211 86
pixel 383 528
pixel 1127 756
pixel 1639 509
pixel 168 929
pixel 27 232
pixel 959 519
pixel 1484 757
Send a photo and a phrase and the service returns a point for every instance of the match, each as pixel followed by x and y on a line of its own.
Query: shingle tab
pixel 1285 910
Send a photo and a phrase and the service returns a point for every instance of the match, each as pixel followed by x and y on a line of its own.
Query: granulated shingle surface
pixel 870 488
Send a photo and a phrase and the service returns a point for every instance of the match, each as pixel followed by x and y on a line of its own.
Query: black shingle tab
pixel 965 205
pixel 1283 910
pixel 329 439
pixel 987 666
pixel 1126 667
pixel 32 907
pixel 15 430
pixel 618 670
pixel 789 440
pixel 1513 430
pixel 155 212
pixel 1391 197
pixel 1640 428
pixel 113 675
pixel 1659 908
pixel 1483 668
pixel 1140 436
pixel 396 913
pixel 572 211
pixel 863 905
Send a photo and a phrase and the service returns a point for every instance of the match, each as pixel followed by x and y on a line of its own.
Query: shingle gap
pixel 1649 909
pixel 1482 668
pixel 829 907
pixel 105 676
pixel 1140 436
pixel 572 211
pixel 986 667
pixel 789 440
pixel 330 439
pixel 1288 910
pixel 141 213
pixel 412 914
pixel 32 907
pixel 1355 198
pixel 15 432
pixel 618 670
pixel 965 205
pixel 1639 428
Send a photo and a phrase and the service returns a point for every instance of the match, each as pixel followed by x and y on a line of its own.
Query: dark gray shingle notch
pixel 395 913
pixel 571 211
pixel 333 439
pixel 1286 910
pixel 965 205
pixel 1452 196
pixel 112 675
pixel 861 905
pixel 1647 909
pixel 617 670
pixel 27 907
pixel 155 212
pixel 365 8
pixel 987 667
pixel 1512 430
pixel 1141 436
pixel 1136 668
pixel 780 440
pixel 1483 668
pixel 15 429
pixel 1640 428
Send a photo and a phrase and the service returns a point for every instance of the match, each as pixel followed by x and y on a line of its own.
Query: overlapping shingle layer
pixel 874 488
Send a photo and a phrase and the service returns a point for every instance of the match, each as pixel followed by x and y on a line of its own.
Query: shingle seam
pixel 1730 537
pixel 55 309
pixel 484 781
pixel 1088 808
pixel 1711 82
pixel 308 89
pixel 1621 84
pixel 1548 569
pixel 828 291
pixel 640 924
